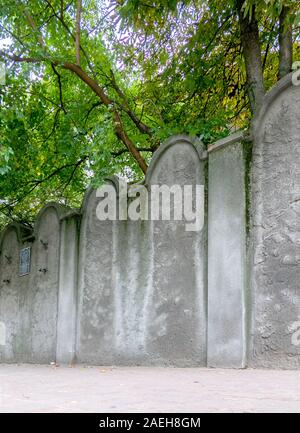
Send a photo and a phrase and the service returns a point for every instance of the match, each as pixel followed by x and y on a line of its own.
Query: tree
pixel 94 87
pixel 261 25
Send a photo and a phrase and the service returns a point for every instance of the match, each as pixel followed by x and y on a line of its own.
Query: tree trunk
pixel 285 43
pixel 252 54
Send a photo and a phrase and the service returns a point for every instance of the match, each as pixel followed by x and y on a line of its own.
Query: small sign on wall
pixel 25 255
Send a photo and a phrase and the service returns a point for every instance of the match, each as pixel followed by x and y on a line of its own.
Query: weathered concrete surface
pixel 38 302
pixel 141 293
pixel 9 295
pixel 142 284
pixel 133 279
pixel 226 256
pixel 28 304
pixel 103 292
pixel 276 229
pixel 67 290
pixel 95 320
pixel 177 302
pixel 32 388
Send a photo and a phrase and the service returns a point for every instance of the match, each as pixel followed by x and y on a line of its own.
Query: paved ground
pixel 32 388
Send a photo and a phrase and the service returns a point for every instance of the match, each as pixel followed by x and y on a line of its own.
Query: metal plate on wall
pixel 25 256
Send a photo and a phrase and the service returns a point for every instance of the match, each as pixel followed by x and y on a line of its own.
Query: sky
pixel 4 43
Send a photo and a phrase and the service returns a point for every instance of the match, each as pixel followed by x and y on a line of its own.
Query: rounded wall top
pixel 282 85
pixel 110 179
pixel 61 210
pixel 24 232
pixel 21 231
pixel 195 142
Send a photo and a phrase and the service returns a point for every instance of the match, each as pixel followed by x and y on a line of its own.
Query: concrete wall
pixel 95 322
pixel 109 292
pixel 28 304
pixel 142 284
pixel 177 305
pixel 31 328
pixel 67 288
pixel 9 296
pixel 151 292
pixel 226 254
pixel 276 229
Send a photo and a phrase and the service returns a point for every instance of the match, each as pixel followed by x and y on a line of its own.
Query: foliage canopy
pixel 93 87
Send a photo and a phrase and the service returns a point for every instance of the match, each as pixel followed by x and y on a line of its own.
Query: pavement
pixel 40 388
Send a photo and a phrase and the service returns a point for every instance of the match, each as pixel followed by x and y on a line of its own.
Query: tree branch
pixel 61 20
pixel 252 55
pixel 18 58
pixel 268 47
pixel 118 124
pixel 34 28
pixel 78 164
pixel 285 43
pixel 62 9
pixel 98 90
pixel 77 41
pixel 142 149
pixel 96 104
pixel 36 182
pixel 140 125
pixel 60 88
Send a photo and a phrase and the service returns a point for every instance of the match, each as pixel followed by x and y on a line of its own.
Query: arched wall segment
pixel 95 320
pixel 142 291
pixel 177 295
pixel 29 303
pixel 40 299
pixel 9 295
pixel 276 229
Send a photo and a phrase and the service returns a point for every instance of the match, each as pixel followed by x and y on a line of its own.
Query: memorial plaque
pixel 24 261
